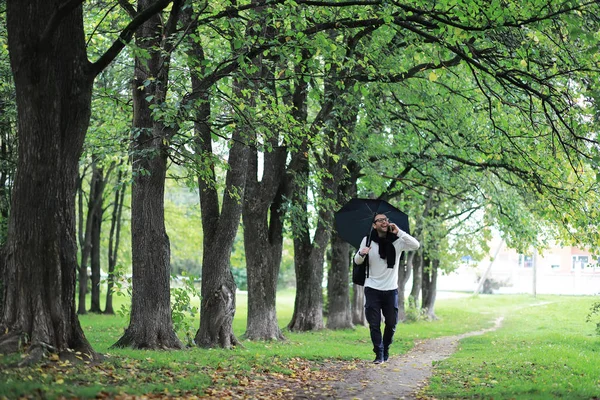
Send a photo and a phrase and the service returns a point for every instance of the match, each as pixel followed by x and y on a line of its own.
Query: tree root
pixel 132 340
pixel 37 351
pixel 12 343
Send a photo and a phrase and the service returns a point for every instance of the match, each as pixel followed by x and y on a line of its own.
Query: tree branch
pixel 126 35
pixel 56 18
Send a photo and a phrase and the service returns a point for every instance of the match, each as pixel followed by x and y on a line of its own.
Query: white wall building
pixel 557 270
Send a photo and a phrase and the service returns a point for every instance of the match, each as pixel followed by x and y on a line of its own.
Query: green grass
pixel 544 349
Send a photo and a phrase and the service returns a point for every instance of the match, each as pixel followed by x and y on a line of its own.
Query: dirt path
pixel 402 377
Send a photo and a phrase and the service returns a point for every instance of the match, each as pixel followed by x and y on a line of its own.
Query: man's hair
pixel 375 217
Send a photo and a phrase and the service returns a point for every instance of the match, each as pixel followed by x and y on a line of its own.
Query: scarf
pixel 387 251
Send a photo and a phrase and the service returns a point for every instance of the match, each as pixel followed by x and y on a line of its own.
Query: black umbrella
pixel 355 219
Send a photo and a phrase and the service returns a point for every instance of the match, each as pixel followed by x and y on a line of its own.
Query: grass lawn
pixel 544 349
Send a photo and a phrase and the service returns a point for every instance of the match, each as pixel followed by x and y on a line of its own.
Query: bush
pixel 594 312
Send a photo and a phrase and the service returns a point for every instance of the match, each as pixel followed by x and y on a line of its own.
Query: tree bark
pixel 217 307
pixel 338 286
pixel 263 241
pixel 53 81
pixel 151 324
pixel 85 226
pixel 308 305
pixel 358 305
pixel 8 153
pixel 404 273
pixel 95 253
pixel 113 241
pixel 53 88
pixel 430 288
pixel 262 212
pixel 308 258
pixel 413 299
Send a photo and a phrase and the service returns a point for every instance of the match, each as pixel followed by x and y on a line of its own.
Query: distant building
pixel 557 270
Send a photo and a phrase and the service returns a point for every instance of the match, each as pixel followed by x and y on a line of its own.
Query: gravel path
pixel 402 377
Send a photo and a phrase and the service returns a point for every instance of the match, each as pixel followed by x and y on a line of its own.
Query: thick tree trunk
pixel 358 305
pixel 308 259
pixel 308 305
pixel 430 288
pixel 219 224
pixel 217 307
pixel 338 287
pixel 404 273
pixel 263 241
pixel 8 153
pixel 262 213
pixel 150 324
pixel 53 88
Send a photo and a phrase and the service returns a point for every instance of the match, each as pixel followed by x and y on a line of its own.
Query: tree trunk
pixel 99 182
pixel 308 305
pixel 263 200
pixel 338 288
pixel 263 243
pixel 340 313
pixel 430 288
pixel 358 305
pixel 95 260
pixel 113 241
pixel 85 226
pixel 53 89
pixel 404 272
pixel 151 324
pixel 413 299
pixel 308 258
pixel 217 307
pixel 8 153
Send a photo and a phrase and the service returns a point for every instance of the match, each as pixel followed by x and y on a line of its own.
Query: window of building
pixel 525 261
pixel 579 262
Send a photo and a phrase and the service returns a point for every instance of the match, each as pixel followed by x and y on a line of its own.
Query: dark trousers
pixel 376 303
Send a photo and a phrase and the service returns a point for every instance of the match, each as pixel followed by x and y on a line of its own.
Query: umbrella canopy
pixel 354 220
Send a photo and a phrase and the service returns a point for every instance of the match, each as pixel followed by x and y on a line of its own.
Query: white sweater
pixel 380 276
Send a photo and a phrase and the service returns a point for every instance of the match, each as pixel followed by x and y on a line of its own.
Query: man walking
pixel 382 252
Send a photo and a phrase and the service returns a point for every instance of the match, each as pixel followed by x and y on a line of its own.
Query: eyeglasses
pixel 382 220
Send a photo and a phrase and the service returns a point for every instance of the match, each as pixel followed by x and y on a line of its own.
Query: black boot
pixel 386 353
pixel 378 356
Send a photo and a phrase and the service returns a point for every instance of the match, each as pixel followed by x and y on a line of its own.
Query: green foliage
pixel 182 292
pixel 593 316
pixel 122 286
pixel 183 223
pixel 414 313
pixel 240 277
